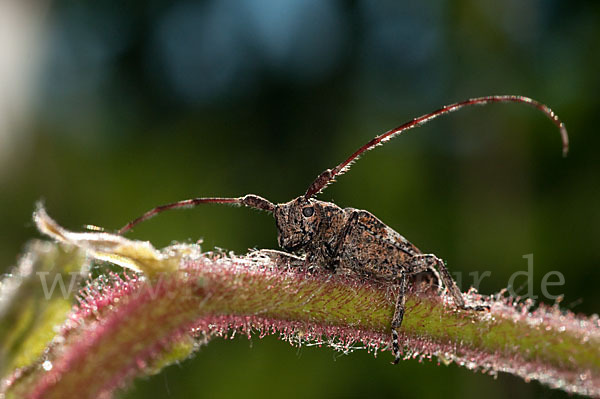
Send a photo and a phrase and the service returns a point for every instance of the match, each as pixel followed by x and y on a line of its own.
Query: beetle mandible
pixel 352 241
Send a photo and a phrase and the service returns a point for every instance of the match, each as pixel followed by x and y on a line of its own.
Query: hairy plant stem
pixel 134 324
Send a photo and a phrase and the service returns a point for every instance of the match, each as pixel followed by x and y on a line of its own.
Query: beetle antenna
pixel 328 175
pixel 251 201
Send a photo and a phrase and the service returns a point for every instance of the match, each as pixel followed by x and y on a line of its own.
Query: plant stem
pixel 133 325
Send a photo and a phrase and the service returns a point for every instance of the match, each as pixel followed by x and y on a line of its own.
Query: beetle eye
pixel 308 211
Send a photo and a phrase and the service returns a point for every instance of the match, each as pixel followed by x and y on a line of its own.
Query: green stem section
pixel 126 327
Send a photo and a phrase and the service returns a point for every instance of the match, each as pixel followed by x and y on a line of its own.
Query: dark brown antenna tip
pixel 328 176
pixel 252 201
pixel 565 139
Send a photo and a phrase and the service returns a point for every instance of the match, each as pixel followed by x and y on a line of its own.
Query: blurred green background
pixel 109 108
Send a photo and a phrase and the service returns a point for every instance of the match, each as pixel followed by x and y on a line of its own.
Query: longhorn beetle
pixel 351 241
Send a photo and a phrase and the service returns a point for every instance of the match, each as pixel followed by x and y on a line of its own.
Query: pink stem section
pixel 123 325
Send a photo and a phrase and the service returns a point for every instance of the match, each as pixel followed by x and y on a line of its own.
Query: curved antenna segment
pixel 251 201
pixel 328 175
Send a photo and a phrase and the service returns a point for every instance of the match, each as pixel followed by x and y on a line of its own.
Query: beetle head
pixel 298 221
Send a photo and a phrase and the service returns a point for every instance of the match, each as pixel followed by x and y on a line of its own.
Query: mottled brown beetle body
pixel 348 241
pixel 354 242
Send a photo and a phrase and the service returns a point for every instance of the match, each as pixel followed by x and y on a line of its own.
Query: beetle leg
pixel 429 260
pixel 398 316
pixel 416 276
pixel 280 257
